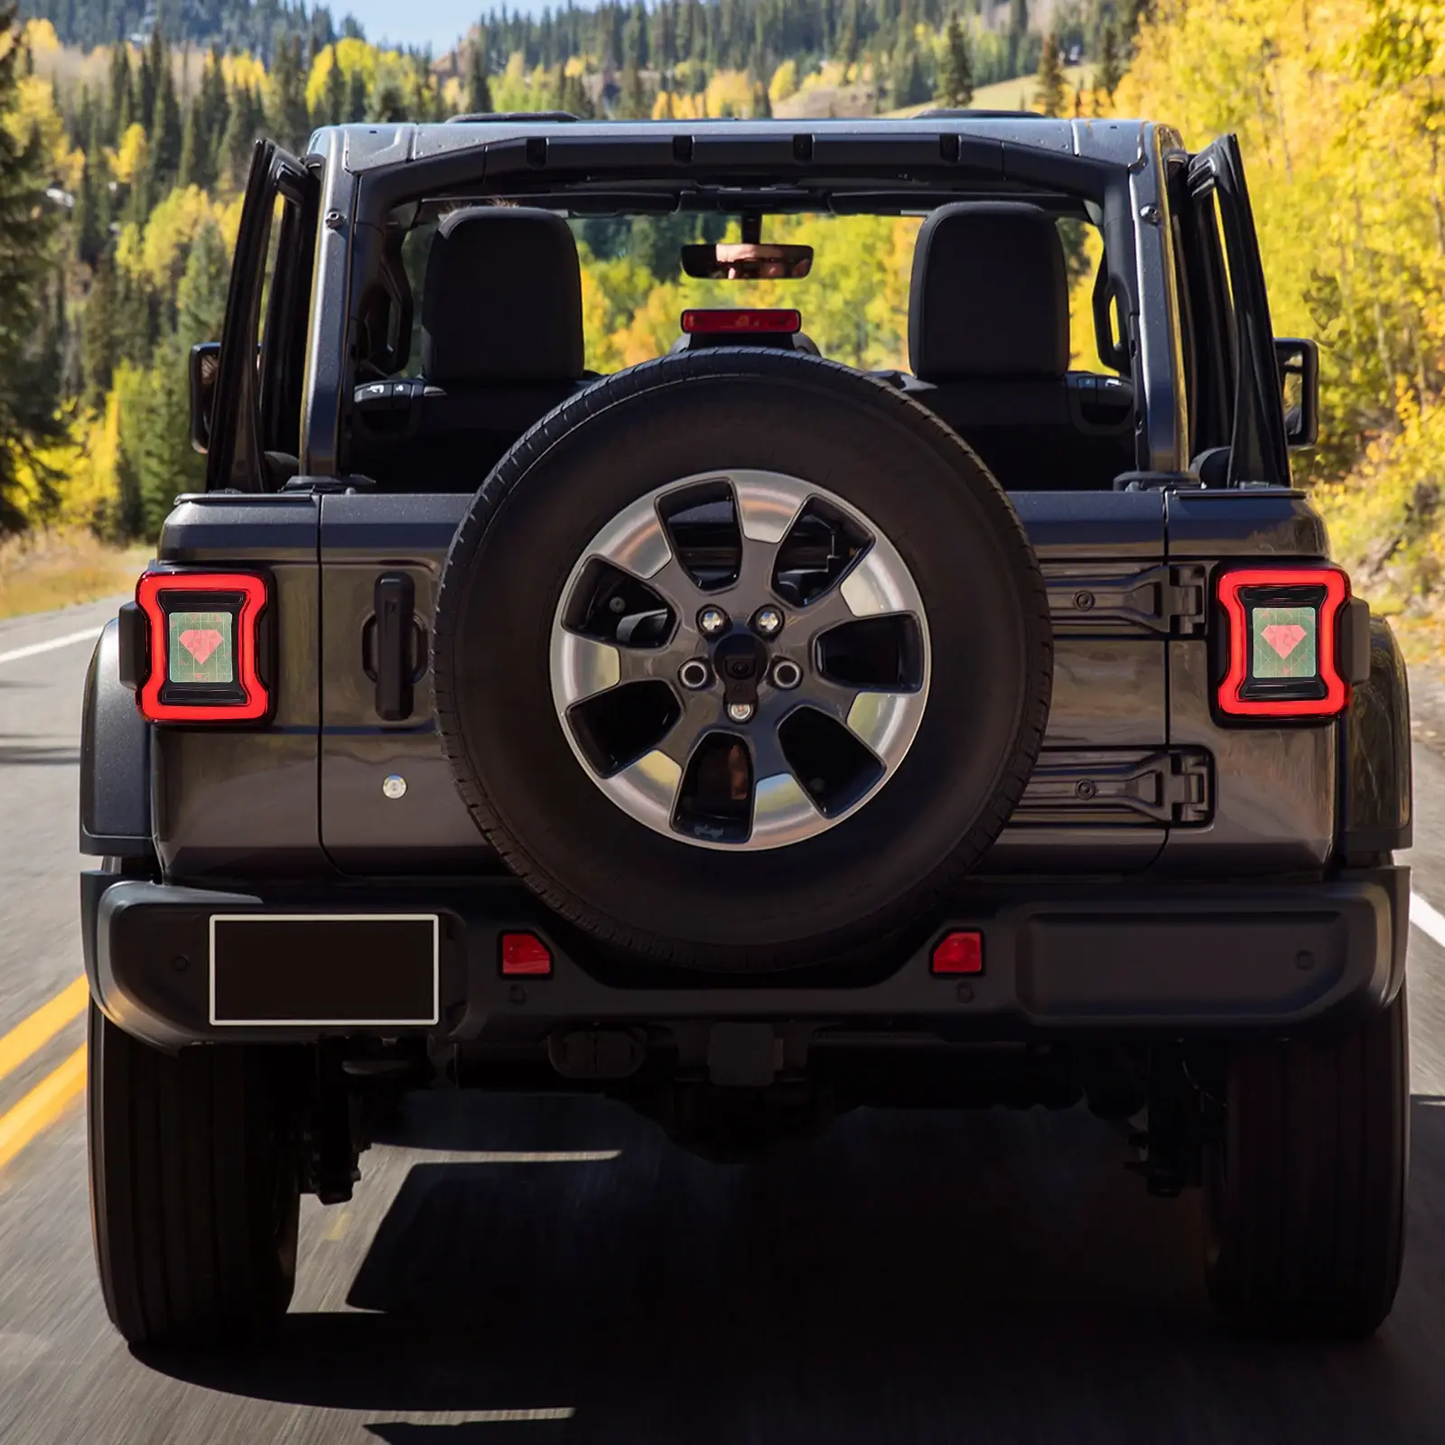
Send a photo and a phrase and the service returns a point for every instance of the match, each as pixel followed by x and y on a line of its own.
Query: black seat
pixel 988 340
pixel 501 345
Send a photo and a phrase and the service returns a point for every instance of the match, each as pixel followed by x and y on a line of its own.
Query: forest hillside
pixel 121 162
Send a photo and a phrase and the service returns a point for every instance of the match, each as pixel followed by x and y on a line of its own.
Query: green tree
pixel 164 131
pixel 1109 71
pixel 288 119
pixel 955 69
pixel 1018 28
pixel 479 92
pixel 907 84
pixel 242 127
pixel 86 221
pixel 28 265
pixel 356 98
pixel 1050 96
pixel 333 102
pixel 632 102
pixel 97 334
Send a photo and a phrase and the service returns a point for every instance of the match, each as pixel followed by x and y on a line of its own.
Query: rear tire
pixel 193 1187
pixel 1305 1192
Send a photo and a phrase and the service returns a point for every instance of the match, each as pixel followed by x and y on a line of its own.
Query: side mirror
pixel 205 366
pixel 1299 376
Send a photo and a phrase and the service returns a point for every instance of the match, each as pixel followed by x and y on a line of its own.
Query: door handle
pixel 394 600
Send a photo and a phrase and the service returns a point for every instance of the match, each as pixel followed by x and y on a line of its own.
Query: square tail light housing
pixel 202 641
pixel 1282 645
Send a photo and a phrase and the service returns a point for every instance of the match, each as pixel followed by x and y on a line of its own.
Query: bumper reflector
pixel 524 955
pixel 958 953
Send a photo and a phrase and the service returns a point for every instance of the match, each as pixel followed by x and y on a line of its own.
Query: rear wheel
pixel 1305 1190
pixel 193 1187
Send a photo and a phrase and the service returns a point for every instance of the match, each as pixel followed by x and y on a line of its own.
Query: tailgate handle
pixel 394 599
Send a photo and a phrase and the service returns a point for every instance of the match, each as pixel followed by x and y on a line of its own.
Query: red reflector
pixel 524 954
pixel 204 634
pixel 959 953
pixel 1282 649
pixel 775 321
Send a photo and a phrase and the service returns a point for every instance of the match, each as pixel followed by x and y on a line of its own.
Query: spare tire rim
pixel 740 660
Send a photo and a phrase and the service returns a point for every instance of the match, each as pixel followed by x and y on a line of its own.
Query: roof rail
pixel 942 113
pixel 490 115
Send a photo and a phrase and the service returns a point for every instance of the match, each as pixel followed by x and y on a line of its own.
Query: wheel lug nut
pixel 768 621
pixel 786 673
pixel 694 674
pixel 740 712
pixel 711 621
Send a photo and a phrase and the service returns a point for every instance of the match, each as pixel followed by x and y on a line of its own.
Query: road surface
pixel 909 1277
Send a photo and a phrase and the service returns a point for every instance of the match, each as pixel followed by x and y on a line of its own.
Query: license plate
pixel 325 970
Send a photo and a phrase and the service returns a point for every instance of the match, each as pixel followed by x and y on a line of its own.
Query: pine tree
pixel 287 119
pixel 164 131
pixel 97 334
pixel 1050 95
pixel 632 103
pixel 27 230
pixel 335 96
pixel 479 92
pixel 240 137
pixel 356 99
pixel 762 104
pixel 85 221
pixel 186 171
pixel 1109 72
pixel 955 71
pixel 1018 28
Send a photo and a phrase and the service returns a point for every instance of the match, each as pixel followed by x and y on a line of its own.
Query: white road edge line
pixel 1428 919
pixel 36 648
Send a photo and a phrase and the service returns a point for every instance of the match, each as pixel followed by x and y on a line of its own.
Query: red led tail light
pixel 1282 642
pixel 758 319
pixel 203 636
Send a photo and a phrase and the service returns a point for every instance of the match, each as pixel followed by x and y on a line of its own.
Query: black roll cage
pixel 772 171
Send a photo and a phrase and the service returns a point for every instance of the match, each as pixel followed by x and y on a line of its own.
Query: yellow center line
pixel 33 1033
pixel 42 1106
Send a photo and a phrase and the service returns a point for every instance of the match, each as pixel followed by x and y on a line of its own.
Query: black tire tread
pixel 182 1189
pixel 1310 1216
pixel 680 369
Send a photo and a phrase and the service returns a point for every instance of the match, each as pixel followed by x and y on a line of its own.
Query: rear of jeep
pixel 743 735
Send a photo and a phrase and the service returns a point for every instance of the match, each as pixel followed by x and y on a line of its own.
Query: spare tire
pixel 741 659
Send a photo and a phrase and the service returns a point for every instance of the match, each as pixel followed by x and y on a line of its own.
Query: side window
pixel 256 422
pixel 1206 319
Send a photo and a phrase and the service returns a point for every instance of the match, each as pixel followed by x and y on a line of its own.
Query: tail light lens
pixel 203 635
pixel 1282 657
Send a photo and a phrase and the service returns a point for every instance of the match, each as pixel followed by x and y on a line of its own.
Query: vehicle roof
pixel 375 147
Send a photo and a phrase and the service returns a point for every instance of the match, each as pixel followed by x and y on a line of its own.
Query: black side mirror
pixel 1299 376
pixel 205 366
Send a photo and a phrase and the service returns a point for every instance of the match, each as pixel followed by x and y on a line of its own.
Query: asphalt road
pixel 908 1277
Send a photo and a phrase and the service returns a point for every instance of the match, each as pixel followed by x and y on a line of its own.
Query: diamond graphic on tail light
pixel 1284 642
pixel 200 647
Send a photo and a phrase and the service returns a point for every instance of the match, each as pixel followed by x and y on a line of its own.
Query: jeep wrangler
pixel 744 735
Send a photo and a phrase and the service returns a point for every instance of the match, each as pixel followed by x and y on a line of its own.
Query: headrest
pixel 989 296
pixel 503 298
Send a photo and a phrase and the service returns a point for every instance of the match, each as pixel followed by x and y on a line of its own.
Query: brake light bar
pixel 775 321
pixel 202 632
pixel 1283 642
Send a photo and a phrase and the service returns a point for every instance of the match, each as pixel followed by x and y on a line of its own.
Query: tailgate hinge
pixel 1167 600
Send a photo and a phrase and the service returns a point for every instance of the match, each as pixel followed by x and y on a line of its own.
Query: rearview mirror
pixel 746 261
pixel 1299 377
pixel 205 366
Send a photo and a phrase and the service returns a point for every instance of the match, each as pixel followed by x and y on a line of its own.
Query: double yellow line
pixel 50 1098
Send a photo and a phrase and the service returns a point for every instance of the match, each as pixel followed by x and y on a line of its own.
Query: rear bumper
pixel 1108 960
